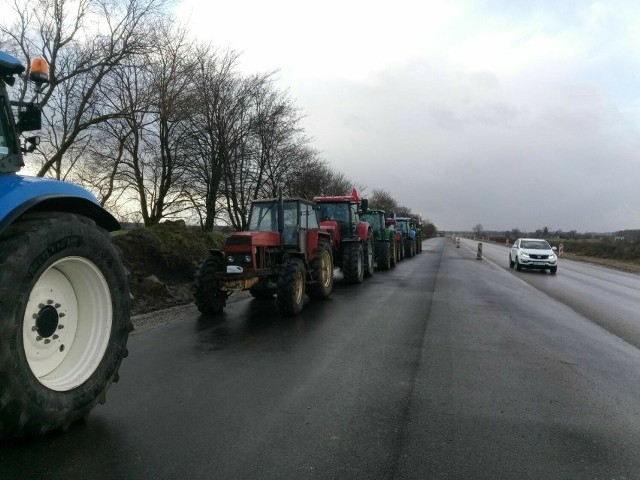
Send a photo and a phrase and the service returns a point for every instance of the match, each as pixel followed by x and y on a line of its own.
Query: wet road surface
pixel 445 367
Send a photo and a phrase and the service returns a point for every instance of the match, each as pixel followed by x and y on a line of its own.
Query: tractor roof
pixel 293 199
pixel 9 65
pixel 336 199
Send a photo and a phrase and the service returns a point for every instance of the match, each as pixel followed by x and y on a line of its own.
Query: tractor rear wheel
pixel 322 273
pixel 209 299
pixel 353 262
pixel 64 321
pixel 291 287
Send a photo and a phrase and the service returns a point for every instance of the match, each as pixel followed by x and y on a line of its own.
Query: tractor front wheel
pixel 393 254
pixel 210 300
pixel 384 255
pixel 64 321
pixel 291 287
pixel 353 262
pixel 368 258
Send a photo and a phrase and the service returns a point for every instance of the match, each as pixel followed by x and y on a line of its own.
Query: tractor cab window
pixel 309 217
pixel 290 217
pixel 6 139
pixel 354 212
pixel 334 211
pixel 374 220
pixel 264 217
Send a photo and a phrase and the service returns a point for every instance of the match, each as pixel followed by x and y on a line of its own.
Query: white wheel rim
pixel 67 323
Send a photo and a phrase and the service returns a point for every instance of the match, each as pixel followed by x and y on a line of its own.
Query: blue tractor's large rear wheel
pixel 64 321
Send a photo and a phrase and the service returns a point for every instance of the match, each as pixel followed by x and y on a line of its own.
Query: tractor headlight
pixel 230 259
pixel 247 258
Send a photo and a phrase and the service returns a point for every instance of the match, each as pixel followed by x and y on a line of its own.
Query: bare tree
pixel 84 42
pixel 216 127
pixel 382 200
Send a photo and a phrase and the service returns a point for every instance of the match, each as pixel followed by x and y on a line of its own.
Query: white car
pixel 533 253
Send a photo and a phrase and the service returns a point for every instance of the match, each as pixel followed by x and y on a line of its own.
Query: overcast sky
pixel 507 113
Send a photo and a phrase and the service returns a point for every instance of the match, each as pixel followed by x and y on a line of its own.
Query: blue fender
pixel 21 194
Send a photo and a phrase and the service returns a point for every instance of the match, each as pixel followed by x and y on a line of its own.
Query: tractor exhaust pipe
pixel 281 219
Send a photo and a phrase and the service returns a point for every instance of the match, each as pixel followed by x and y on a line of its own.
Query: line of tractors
pixel 64 292
pixel 292 245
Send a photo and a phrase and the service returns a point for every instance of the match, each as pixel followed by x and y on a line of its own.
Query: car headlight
pixel 552 256
pixel 524 255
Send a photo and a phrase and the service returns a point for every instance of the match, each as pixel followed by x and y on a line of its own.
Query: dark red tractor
pixel 352 238
pixel 284 252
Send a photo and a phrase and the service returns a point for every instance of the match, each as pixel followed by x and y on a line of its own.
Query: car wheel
pixel 518 266
pixel 511 263
pixel 553 270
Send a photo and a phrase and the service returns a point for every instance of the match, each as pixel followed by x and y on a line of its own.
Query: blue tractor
pixel 64 296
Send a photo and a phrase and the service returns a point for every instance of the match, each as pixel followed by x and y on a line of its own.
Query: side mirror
pixel 364 205
pixel 30 144
pixel 30 118
pixel 555 249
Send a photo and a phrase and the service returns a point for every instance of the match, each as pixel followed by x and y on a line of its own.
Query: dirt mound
pixel 162 260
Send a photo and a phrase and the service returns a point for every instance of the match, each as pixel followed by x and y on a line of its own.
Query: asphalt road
pixel 445 367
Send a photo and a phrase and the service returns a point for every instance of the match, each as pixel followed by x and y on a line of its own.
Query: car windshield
pixel 535 245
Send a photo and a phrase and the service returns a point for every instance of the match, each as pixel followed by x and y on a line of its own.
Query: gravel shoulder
pixel 147 321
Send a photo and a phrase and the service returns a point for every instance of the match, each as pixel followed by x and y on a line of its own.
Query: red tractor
pixel 352 238
pixel 284 251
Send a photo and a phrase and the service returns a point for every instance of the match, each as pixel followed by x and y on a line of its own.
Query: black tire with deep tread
pixel 291 277
pixel 369 257
pixel 27 249
pixel 408 248
pixel 209 299
pixel 319 290
pixel 553 270
pixel 393 254
pixel 384 255
pixel 353 262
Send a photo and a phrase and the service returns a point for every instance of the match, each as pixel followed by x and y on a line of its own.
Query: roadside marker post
pixel 479 254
